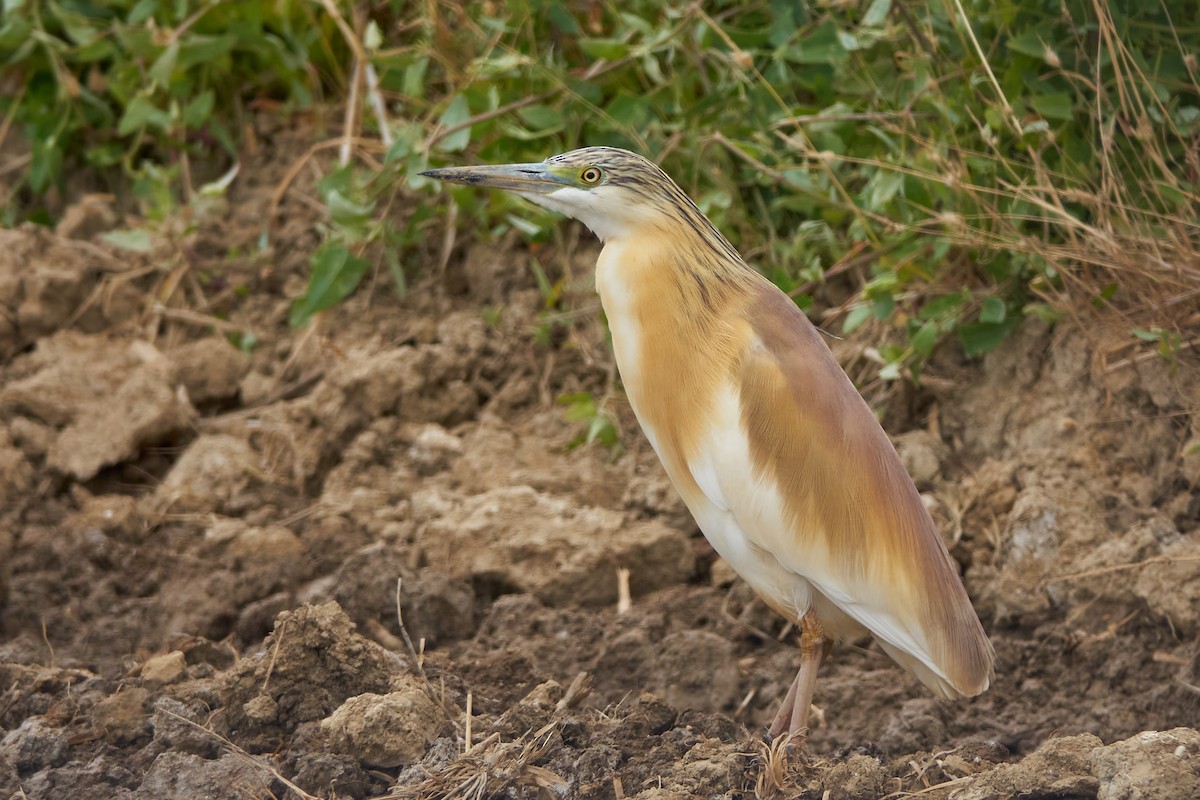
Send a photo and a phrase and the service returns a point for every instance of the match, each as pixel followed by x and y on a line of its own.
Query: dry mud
pixel 205 554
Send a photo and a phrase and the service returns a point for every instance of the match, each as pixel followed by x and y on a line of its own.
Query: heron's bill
pixel 524 178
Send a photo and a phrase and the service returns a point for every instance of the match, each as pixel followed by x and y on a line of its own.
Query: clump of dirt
pixel 362 561
pixel 521 541
pixel 98 402
pixel 50 281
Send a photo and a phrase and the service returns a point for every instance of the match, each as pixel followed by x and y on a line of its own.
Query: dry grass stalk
pixel 1091 573
pixel 491 769
pixel 418 656
pixel 577 692
pixel 467 724
pixel 777 774
pixel 274 656
pixel 624 598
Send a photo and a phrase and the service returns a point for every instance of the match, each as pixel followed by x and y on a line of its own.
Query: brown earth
pixel 206 554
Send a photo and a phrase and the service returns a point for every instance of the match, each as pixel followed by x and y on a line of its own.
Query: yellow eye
pixel 591 175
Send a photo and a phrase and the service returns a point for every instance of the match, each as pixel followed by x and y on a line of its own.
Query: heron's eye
pixel 591 175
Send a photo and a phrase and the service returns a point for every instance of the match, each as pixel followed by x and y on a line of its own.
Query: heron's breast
pixel 663 356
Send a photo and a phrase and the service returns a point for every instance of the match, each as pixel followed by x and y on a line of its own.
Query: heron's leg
pixel 793 712
pixel 784 715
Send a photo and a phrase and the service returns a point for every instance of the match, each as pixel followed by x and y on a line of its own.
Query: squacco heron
pixel 777 456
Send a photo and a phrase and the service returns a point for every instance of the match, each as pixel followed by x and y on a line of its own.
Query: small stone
pixel 921 453
pixel 211 369
pixel 164 668
pixel 256 387
pixel 433 448
pixel 1033 534
pixel 261 708
pixel 211 472
pixel 388 730
pixel 121 718
pixel 270 543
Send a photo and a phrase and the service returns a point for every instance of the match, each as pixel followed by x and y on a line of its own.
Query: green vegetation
pixel 956 164
pixel 130 86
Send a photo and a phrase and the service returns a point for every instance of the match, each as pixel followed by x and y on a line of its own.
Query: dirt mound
pixel 365 563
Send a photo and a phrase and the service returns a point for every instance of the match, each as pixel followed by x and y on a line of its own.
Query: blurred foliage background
pixel 961 163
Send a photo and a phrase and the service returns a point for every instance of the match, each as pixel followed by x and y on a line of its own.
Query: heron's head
pixel 612 191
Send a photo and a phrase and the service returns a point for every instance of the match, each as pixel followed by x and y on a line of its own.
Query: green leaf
pixel 886 283
pixel 978 338
pixel 885 185
pixel 396 271
pixel 604 48
pixel 1056 105
pixel 822 46
pixel 344 211
pixel 15 31
pixel 882 307
pixel 142 11
pixel 455 114
pixel 197 112
pixel 890 372
pixel 414 78
pixel 335 274
pixel 993 310
pixel 924 339
pixel 876 13
pixel 141 112
pixel 79 28
pixel 783 22
pixel 600 428
pixel 340 180
pixel 197 50
pixel 857 316
pixel 1035 126
pixel 561 18
pixel 46 166
pixel 630 111
pixel 373 38
pixel 941 308
pixel 164 65
pixel 542 117
pixel 136 240
pixel 218 187
pixel 1029 43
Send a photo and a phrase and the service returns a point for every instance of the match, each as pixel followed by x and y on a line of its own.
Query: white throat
pixel 590 207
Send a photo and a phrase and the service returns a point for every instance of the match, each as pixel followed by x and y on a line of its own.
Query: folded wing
pixel 828 497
